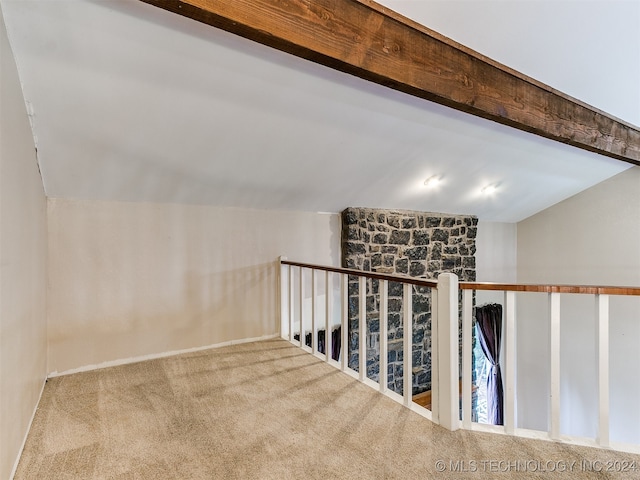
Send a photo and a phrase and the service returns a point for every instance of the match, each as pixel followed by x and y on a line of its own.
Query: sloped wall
pixel 23 258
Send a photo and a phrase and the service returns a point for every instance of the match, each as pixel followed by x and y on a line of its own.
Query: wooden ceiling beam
pixel 365 39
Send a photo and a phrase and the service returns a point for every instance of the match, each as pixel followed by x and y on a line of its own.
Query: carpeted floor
pixel 268 410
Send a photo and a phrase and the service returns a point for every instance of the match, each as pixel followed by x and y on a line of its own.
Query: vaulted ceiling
pixel 132 103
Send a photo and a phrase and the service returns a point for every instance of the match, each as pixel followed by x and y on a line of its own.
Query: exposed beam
pixel 365 39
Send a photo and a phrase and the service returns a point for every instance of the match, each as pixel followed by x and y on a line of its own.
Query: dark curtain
pixel 335 342
pixel 489 329
pixel 321 341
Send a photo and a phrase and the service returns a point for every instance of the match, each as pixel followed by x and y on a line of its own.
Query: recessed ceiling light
pixel 432 181
pixel 489 189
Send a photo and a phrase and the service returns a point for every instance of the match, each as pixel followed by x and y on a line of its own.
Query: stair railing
pixel 451 382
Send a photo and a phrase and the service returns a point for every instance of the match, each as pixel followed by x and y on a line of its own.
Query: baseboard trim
pixel 154 356
pixel 26 434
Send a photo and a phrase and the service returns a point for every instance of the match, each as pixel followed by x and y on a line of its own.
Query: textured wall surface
pixel 417 244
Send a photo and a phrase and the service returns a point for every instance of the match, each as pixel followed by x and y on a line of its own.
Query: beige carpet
pixel 266 410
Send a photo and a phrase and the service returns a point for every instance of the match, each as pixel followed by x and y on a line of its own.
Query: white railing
pixel 304 287
pixel 554 294
pixel 451 408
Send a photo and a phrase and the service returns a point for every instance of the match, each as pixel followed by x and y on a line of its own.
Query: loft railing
pixel 602 295
pixel 450 407
pixel 444 375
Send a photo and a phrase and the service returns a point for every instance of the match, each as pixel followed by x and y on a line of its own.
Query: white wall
pixel 23 266
pixel 134 279
pixel 591 238
pixel 496 252
pixel 495 258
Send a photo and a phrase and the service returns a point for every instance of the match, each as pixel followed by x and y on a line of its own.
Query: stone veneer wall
pixel 417 244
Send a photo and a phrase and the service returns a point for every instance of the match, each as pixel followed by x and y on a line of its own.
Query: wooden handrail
pixel 377 276
pixel 368 40
pixel 578 289
pixel 506 287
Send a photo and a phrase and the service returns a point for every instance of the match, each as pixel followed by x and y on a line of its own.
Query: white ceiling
pixel 132 103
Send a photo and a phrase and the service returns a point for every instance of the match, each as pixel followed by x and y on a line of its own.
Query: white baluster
pixel 509 362
pixel 314 329
pixel 344 350
pixel 362 328
pixel 602 353
pixel 407 344
pixel 384 313
pixel 467 325
pixel 291 303
pixel 554 409
pixel 301 308
pixel 328 297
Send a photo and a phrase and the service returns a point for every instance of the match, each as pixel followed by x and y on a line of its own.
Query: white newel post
pixel 448 347
pixel 284 289
pixel 281 296
pixel 435 364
